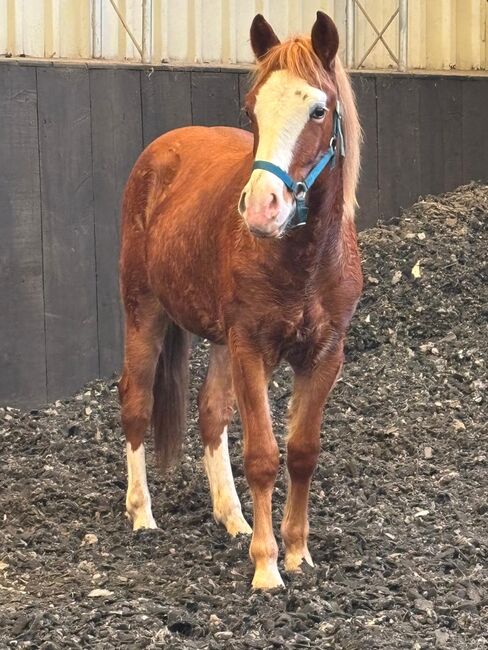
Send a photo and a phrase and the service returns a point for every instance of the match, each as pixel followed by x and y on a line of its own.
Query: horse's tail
pixel 170 391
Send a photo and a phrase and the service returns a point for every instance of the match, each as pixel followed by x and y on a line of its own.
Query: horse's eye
pixel 318 113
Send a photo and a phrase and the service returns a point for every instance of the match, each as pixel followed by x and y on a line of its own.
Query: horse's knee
pixel 261 465
pixel 302 457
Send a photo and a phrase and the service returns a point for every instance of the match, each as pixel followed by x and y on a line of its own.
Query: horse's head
pixel 291 107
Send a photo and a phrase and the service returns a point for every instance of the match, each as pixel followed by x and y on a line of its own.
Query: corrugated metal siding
pixel 443 34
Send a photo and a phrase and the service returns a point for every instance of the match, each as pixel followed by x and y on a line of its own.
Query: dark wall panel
pixel 474 129
pixel 215 98
pixel 166 102
pixel 440 130
pixel 69 137
pixel 398 143
pixel 22 344
pixel 68 229
pixel 244 84
pixel 365 89
pixel 116 123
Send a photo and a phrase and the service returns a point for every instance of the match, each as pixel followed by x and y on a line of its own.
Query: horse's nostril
pixel 274 200
pixel 242 204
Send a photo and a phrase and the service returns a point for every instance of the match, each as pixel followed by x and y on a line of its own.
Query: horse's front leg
pixel 303 446
pixel 261 457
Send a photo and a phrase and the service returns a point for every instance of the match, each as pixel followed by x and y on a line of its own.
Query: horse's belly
pixel 192 306
pixel 198 322
pixel 187 293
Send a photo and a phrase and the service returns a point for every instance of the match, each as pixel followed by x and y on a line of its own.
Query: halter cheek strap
pixel 299 189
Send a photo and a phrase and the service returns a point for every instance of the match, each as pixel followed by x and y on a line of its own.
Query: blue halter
pixel 299 189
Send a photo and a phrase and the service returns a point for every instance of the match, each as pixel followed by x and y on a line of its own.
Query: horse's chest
pixel 305 336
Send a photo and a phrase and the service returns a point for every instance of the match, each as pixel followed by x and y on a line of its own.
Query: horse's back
pixel 214 138
pixel 197 150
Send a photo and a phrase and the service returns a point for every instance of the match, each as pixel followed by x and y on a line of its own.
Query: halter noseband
pixel 299 189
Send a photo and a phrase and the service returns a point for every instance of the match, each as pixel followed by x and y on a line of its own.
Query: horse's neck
pixel 319 249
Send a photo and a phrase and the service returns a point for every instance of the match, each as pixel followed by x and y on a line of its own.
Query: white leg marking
pixel 138 501
pixel 226 504
pixel 295 559
pixel 267 577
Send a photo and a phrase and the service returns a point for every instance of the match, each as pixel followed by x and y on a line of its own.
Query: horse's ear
pixel 263 37
pixel 325 39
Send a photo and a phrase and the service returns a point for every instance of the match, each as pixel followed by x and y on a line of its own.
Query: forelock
pixel 297 56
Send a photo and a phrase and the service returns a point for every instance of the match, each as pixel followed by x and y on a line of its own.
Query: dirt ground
pixel 399 509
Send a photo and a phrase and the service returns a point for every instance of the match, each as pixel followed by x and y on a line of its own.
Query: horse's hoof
pixel 142 521
pixel 295 561
pixel 233 521
pixel 267 578
pixel 237 525
pixel 144 525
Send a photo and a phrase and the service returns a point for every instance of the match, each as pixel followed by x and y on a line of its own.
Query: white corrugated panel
pixel 442 34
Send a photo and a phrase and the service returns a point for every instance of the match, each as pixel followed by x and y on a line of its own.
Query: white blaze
pixel 283 106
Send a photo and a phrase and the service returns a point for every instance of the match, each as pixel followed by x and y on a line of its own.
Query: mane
pixel 297 56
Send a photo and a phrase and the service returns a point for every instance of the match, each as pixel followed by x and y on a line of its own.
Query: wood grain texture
pixel 22 342
pixel 166 102
pixel 215 98
pixel 115 97
pixel 68 229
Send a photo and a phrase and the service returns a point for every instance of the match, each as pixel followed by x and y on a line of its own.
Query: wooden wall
pixel 69 136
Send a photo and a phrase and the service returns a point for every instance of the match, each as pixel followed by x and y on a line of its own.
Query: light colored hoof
pixel 142 523
pixel 141 520
pixel 295 560
pixel 267 578
pixel 236 525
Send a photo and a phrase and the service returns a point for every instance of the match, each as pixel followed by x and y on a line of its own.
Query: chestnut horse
pixel 220 239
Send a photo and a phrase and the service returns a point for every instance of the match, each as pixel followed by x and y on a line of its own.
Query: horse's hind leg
pixel 215 404
pixel 142 347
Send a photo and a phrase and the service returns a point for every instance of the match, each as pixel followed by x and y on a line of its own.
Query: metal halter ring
pixel 300 190
pixel 333 142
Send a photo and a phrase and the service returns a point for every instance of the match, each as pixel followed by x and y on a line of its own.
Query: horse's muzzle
pixel 266 214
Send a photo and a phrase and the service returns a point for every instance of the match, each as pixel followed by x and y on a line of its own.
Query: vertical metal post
pixel 403 34
pixel 146 31
pixel 350 9
pixel 96 25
